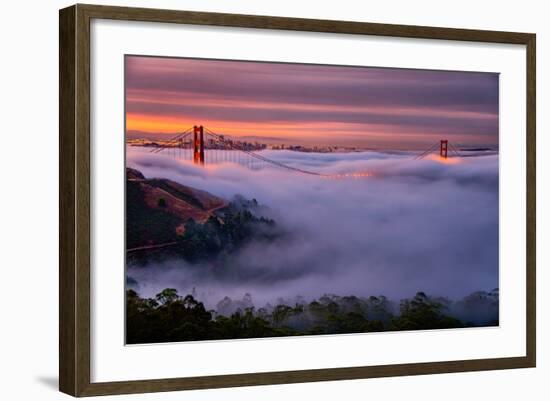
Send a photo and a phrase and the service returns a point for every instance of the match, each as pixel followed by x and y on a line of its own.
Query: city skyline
pixel 306 104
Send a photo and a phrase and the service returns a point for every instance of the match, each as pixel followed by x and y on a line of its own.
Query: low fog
pixel 413 226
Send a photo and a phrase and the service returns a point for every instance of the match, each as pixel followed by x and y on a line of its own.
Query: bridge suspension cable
pixel 262 158
pixel 426 152
pixel 175 139
pixel 455 150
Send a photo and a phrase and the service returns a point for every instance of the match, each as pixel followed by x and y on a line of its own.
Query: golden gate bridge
pixel 203 146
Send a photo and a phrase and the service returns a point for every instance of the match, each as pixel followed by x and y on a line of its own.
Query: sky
pixel 305 104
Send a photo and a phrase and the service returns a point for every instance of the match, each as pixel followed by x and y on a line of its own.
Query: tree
pixel 167 296
pixel 280 314
pixel 422 312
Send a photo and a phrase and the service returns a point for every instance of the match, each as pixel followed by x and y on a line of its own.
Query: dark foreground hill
pixel 157 209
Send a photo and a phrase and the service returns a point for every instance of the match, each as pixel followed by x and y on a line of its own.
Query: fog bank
pixel 414 226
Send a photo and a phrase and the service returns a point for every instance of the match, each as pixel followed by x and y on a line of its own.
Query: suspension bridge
pixel 204 146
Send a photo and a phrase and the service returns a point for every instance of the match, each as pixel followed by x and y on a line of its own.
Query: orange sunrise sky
pixel 310 104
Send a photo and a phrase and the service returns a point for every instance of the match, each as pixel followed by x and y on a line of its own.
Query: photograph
pixel 270 199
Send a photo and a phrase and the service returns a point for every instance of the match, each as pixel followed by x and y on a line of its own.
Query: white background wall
pixel 29 184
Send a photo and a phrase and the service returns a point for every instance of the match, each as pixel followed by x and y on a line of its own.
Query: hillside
pixel 157 209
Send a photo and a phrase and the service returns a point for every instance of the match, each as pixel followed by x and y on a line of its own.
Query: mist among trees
pixel 169 317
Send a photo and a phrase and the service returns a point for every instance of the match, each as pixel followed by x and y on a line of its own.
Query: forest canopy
pixel 169 317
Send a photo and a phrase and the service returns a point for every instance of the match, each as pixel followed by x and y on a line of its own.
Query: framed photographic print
pixel 250 200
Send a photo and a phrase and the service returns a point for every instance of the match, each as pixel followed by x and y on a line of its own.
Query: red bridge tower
pixel 442 148
pixel 198 144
